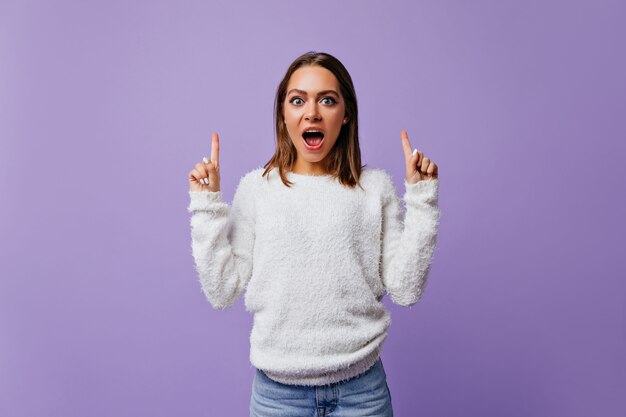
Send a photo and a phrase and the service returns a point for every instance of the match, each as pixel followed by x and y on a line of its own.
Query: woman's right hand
pixel 206 174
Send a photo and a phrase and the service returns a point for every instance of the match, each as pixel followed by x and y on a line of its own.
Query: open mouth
pixel 313 139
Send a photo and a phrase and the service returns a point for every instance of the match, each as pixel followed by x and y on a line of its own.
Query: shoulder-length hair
pixel 344 159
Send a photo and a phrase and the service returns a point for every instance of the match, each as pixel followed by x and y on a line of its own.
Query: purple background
pixel 105 108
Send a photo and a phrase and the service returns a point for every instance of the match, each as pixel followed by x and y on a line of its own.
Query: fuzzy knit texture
pixel 315 261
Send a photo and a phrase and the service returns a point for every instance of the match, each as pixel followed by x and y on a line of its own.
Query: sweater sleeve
pixel 409 239
pixel 222 242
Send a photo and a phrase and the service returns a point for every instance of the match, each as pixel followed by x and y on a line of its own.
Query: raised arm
pixel 409 239
pixel 222 237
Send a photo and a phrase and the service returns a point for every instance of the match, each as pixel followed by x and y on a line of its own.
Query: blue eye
pixel 332 100
pixel 293 100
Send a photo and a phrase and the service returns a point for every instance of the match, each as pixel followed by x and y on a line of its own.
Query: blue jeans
pixel 364 395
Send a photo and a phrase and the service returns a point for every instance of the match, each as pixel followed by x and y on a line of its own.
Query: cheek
pixel 338 115
pixel 338 120
pixel 291 126
pixel 290 117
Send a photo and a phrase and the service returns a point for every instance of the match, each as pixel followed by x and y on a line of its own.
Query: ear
pixel 345 120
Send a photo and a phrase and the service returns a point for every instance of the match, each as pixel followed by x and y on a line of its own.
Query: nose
pixel 311 112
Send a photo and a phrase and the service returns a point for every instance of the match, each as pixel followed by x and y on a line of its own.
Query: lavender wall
pixel 104 108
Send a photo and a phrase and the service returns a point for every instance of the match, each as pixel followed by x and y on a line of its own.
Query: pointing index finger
pixel 215 149
pixel 406 145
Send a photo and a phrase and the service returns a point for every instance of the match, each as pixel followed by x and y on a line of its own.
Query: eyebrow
pixel 295 90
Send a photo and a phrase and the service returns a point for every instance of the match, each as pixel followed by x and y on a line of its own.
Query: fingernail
pixel 414 151
pixel 205 180
pixel 206 161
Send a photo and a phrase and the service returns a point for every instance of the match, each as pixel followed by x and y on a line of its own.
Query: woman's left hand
pixel 418 167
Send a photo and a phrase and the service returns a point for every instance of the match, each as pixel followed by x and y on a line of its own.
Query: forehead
pixel 312 79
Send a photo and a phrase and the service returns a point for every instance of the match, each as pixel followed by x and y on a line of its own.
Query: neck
pixel 309 168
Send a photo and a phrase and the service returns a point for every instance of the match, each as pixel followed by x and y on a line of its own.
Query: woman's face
pixel 314 112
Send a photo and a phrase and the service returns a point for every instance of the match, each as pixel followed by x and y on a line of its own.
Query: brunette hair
pixel 344 159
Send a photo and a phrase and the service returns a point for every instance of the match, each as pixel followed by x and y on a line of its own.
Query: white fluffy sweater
pixel 315 261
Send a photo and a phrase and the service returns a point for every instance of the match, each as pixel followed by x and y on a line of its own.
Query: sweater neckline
pixel 308 175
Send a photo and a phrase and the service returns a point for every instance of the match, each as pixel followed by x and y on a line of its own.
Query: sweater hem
pixel 342 375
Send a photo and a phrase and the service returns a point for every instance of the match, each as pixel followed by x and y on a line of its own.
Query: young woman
pixel 316 240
